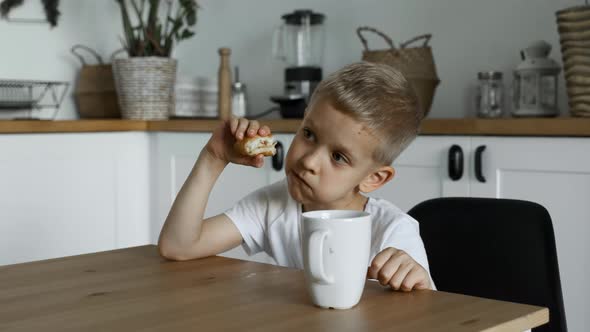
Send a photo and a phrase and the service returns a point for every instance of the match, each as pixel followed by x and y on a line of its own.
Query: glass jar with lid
pixel 490 94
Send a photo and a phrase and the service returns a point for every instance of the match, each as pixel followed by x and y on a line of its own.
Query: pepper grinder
pixel 224 81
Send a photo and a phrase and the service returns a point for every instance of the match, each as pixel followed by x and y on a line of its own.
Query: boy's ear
pixel 377 179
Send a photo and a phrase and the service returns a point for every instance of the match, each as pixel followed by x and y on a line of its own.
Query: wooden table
pixel 135 290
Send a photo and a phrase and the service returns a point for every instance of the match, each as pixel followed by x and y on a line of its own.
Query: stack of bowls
pixel 574 34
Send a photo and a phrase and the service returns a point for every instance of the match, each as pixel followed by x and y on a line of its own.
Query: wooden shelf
pixel 279 126
pixel 70 126
pixel 566 126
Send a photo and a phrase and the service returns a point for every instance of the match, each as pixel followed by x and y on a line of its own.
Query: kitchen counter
pixel 562 126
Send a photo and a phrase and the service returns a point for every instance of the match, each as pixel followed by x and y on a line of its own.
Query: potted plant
pixel 151 30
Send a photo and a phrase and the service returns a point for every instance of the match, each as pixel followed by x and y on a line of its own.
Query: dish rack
pixel 25 99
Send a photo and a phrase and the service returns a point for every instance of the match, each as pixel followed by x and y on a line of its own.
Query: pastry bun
pixel 253 146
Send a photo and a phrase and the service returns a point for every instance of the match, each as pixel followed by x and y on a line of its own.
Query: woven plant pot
pixel 145 87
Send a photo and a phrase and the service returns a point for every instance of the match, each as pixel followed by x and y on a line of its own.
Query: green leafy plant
pixel 146 35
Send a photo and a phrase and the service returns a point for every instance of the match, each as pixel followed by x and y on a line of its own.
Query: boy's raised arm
pixel 185 235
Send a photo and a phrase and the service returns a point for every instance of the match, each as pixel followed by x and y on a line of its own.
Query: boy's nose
pixel 311 162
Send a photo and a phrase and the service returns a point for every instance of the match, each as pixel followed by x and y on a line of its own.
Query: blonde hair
pixel 380 97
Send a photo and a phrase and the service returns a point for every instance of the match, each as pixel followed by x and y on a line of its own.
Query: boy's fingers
pixel 423 284
pixel 400 275
pixel 422 278
pixel 264 131
pixel 242 125
pixel 414 278
pixel 253 128
pixel 233 125
pixel 379 261
pixel 388 270
pixel 257 161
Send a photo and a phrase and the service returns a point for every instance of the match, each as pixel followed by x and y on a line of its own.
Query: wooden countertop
pixel 563 126
pixel 134 289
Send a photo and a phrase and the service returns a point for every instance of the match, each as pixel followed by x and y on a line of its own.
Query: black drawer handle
pixel 277 159
pixel 455 162
pixel 478 172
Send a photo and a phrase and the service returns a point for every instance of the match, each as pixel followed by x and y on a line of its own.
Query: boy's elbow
pixel 176 253
pixel 169 252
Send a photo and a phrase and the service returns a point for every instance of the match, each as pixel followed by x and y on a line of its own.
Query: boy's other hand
pixel 397 269
pixel 220 145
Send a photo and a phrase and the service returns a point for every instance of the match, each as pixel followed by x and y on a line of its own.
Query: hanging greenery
pixel 49 6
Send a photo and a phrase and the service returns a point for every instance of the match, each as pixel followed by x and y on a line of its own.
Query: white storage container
pixel 196 97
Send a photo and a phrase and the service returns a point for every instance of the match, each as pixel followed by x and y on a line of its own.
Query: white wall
pixel 468 36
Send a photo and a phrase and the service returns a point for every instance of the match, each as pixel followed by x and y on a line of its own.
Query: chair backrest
pixel 495 248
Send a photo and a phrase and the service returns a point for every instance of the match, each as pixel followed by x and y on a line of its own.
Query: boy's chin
pixel 295 194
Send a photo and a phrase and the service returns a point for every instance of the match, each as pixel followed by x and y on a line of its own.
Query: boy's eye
pixel 307 133
pixel 339 157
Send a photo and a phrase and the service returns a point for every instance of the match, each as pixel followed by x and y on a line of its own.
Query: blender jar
pixel 299 41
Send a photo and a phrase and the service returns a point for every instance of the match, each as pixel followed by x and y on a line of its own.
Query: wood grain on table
pixel 135 289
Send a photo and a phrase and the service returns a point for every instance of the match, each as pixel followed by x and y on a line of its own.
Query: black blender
pixel 299 42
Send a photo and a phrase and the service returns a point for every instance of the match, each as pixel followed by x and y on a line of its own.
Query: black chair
pixel 494 248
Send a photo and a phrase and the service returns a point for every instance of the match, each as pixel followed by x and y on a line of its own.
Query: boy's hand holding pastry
pixel 241 141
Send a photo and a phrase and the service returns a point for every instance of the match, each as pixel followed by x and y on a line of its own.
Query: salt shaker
pixel 239 96
pixel 490 94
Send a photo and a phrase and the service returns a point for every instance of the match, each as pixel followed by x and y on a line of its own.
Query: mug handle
pixel 316 257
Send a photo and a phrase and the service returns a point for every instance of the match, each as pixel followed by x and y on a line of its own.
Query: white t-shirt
pixel 269 221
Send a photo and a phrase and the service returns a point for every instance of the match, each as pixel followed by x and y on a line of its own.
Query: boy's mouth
pixel 300 179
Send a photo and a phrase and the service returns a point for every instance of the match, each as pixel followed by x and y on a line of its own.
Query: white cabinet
pixel 422 172
pixel 279 174
pixel 175 155
pixel 71 194
pixel 554 172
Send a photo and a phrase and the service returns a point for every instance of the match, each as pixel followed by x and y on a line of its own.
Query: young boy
pixel 358 121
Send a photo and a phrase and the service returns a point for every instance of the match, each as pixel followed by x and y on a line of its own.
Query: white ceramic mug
pixel 336 252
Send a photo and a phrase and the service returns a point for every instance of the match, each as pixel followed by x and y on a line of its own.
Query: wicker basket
pixel 95 94
pixel 416 63
pixel 574 35
pixel 145 87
